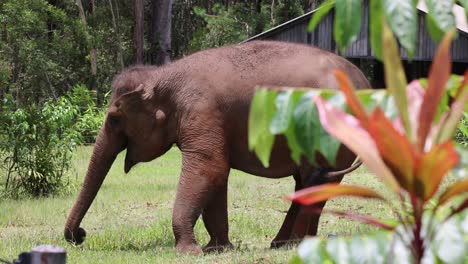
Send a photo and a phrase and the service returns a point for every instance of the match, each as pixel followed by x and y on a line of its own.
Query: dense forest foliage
pixel 58 58
pixel 49 46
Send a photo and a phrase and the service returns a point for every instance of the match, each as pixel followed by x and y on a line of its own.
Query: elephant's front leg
pixel 203 174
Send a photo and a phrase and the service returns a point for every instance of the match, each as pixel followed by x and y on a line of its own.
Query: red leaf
pixel 433 166
pixel 455 189
pixel 347 129
pixel 351 98
pixel 415 95
pixel 321 193
pixel 358 217
pixel 460 208
pixel 394 149
pixel 439 74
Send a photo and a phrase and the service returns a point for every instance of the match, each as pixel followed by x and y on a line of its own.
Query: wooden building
pixel 360 53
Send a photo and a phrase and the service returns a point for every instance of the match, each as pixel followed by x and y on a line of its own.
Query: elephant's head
pixel 136 121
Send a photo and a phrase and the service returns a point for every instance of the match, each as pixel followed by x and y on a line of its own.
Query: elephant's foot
pixel 284 243
pixel 76 237
pixel 216 247
pixel 189 248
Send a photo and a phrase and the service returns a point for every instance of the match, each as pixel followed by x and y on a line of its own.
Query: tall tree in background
pixel 161 31
pixel 138 32
pixel 92 52
pixel 52 45
pixel 116 30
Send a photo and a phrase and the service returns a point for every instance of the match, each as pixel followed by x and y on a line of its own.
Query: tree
pixel 92 52
pixel 161 31
pixel 114 26
pixel 138 32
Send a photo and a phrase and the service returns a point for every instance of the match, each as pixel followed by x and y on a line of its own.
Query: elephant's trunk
pixel 104 153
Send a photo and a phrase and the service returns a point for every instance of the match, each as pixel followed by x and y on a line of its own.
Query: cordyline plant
pixel 411 154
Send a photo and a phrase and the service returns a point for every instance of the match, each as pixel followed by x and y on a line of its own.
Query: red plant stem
pixel 404 219
pixel 418 241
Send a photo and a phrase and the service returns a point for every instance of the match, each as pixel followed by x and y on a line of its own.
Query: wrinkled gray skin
pixel 201 104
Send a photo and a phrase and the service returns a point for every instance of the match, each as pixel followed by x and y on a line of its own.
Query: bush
pixel 36 144
pixel 90 117
pixel 461 136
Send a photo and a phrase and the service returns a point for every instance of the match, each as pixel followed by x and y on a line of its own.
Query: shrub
pixel 461 136
pixel 37 142
pixel 89 123
pixel 90 117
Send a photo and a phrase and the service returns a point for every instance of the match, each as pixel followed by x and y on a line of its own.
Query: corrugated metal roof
pixel 458 12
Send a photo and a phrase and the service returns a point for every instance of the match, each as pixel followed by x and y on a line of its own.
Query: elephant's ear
pixel 130 101
pixel 126 103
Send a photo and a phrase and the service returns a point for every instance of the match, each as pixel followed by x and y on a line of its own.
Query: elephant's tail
pixel 339 174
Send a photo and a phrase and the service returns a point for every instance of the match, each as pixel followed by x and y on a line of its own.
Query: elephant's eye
pixel 113 120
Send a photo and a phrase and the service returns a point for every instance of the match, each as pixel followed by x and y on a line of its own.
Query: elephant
pixel 200 103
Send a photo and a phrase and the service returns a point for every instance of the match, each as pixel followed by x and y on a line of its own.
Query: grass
pixel 130 220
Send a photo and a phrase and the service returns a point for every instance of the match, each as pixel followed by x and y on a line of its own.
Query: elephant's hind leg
pixel 215 217
pixel 284 235
pixel 308 217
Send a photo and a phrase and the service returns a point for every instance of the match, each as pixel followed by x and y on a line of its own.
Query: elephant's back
pixel 226 79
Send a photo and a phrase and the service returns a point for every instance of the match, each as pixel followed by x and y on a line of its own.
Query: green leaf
pixel 262 110
pixel 464 3
pixel 281 122
pixel 293 144
pixel 338 250
pixel 296 260
pixel 285 103
pixel 395 78
pixel 320 12
pixel 402 18
pixel 306 123
pixel 453 84
pixel 376 17
pixel 440 17
pixel 338 100
pixel 449 242
pixel 365 250
pixel 312 250
pixel 400 252
pixel 347 22
pixel 327 145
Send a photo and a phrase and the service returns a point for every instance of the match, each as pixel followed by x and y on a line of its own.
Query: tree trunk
pixel 272 13
pixel 117 33
pixel 138 32
pixel 92 52
pixel 161 31
pixel 260 25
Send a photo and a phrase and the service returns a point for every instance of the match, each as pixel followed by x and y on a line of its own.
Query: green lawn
pixel 130 220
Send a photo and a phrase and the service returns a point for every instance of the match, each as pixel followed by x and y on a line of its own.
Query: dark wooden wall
pixel 322 37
